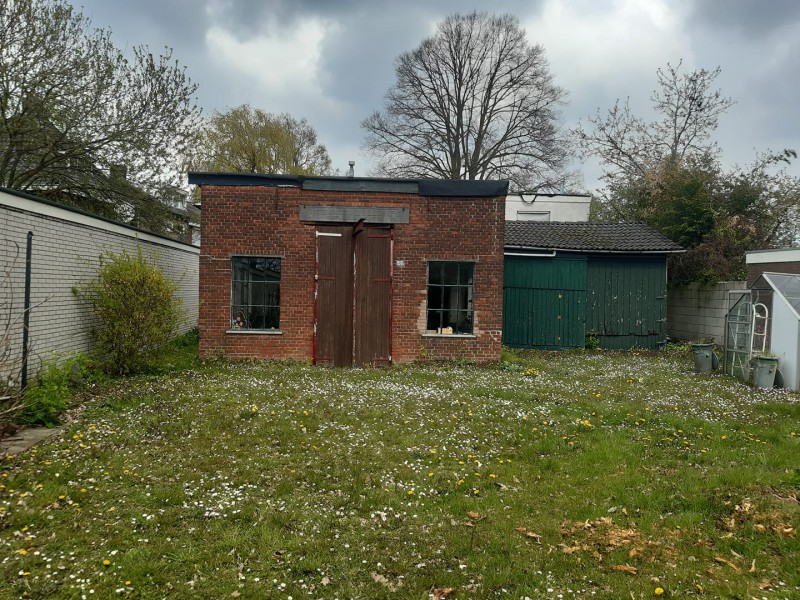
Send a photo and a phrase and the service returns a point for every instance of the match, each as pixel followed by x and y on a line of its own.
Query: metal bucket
pixel 764 369
pixel 703 357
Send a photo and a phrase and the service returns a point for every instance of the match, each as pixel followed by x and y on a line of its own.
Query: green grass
pixel 551 475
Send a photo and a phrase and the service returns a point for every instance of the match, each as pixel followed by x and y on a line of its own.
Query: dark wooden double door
pixel 353 295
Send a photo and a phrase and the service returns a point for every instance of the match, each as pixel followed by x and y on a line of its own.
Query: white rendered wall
pixel 547 207
pixel 66 248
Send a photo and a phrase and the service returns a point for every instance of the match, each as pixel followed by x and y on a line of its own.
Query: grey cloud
pixel 755 43
pixel 746 17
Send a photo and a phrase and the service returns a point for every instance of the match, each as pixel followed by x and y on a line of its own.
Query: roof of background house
pixel 423 187
pixel 587 237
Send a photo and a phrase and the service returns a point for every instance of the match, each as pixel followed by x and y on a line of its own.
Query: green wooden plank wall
pixel 544 302
pixel 626 301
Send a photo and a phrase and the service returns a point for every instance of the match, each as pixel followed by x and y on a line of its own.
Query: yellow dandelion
pixel 106 563
pixel 22 551
pixel 658 591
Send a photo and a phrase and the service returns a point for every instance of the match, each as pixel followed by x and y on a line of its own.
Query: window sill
pixel 255 331
pixel 449 335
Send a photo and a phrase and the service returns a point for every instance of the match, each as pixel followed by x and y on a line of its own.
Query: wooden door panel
pixel 373 296
pixel 333 340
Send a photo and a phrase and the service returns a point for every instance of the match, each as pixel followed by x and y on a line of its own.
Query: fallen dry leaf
pixel 625 569
pixel 442 593
pixel 469 524
pixel 725 561
pixel 533 535
pixel 520 529
pixel 473 515
pixel 753 566
pixel 393 587
pixel 759 528
pixel 785 530
pixel 325 581
pixel 765 585
pixel 235 594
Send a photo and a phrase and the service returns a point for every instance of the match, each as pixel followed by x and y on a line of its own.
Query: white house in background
pixel 547 207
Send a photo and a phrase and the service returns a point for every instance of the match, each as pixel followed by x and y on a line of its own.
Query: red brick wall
pixel 256 220
pixel 754 271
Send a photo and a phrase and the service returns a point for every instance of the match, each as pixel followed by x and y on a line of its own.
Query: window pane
pixel 434 297
pixel 434 320
pixel 272 269
pixel 451 298
pixel 272 317
pixel 463 298
pixel 256 317
pixel 464 322
pixel 465 274
pixel 450 276
pixel 435 273
pixel 273 295
pixel 240 318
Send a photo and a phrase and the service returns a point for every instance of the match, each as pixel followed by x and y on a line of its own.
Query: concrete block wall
pixel 261 220
pixel 66 249
pixel 695 312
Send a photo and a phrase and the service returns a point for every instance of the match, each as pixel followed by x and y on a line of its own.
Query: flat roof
pixel 457 188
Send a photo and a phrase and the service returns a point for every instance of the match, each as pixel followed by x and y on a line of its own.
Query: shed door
pixel 626 301
pixel 373 296
pixel 544 302
pixel 333 300
pixel 353 296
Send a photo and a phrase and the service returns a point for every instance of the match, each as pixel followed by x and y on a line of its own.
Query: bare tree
pixel 630 148
pixel 250 140
pixel 80 122
pixel 474 101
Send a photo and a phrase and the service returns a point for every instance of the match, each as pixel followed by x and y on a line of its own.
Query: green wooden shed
pixel 565 282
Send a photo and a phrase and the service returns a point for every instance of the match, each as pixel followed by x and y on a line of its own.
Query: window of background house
pixel 255 292
pixel 450 297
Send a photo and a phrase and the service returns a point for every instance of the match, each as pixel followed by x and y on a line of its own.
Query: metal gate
pixel 353 295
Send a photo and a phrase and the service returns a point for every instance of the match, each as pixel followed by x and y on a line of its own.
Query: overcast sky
pixel 332 61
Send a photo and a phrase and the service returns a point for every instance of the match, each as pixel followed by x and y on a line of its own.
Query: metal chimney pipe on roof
pixel 352 171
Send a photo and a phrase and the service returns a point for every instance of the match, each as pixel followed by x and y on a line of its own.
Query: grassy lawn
pixel 554 475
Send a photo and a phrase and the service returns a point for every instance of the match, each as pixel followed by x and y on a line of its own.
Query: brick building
pixel 781 260
pixel 350 271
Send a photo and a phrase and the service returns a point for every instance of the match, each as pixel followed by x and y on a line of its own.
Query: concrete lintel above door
pixel 351 214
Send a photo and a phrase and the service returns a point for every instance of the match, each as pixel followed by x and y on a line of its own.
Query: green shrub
pixel 137 311
pixel 592 340
pixel 49 393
